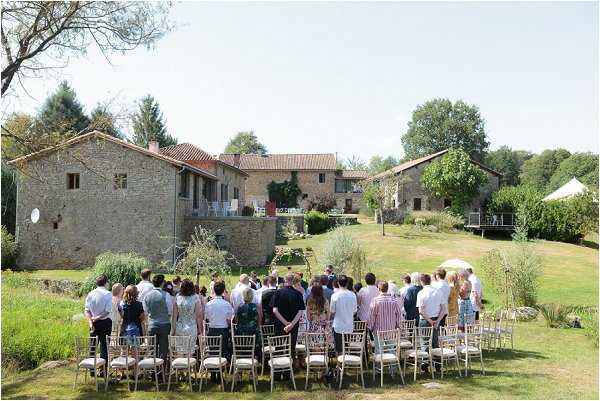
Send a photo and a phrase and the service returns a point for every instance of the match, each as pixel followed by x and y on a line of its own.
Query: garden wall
pixel 250 239
pixel 282 221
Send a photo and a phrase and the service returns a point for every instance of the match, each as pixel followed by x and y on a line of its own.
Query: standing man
pixel 159 322
pixel 254 281
pixel 144 286
pixel 330 276
pixel 268 290
pixel 442 285
pixel 410 299
pixel 385 313
pixel 343 306
pixel 432 310
pixel 365 296
pixel 476 292
pixel 288 304
pixel 219 312
pixel 98 305
pixel 237 297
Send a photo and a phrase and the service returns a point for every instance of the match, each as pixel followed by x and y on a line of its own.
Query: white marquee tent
pixel 571 188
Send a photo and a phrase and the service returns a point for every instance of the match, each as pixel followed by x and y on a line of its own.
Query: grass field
pixel 546 363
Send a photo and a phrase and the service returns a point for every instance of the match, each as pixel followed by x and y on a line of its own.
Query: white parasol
pixel 456 264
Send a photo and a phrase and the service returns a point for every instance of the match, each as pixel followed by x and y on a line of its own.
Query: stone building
pixel 408 194
pixel 315 173
pixel 96 193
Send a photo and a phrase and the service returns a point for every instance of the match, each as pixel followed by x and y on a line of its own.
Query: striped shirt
pixel 386 313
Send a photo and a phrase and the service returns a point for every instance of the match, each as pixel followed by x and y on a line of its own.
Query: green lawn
pixel 546 363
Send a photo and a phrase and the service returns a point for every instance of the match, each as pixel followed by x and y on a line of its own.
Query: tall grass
pixel 443 221
pixel 36 327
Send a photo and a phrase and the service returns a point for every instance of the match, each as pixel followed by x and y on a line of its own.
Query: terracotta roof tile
pixel 357 174
pixel 320 161
pixel 185 151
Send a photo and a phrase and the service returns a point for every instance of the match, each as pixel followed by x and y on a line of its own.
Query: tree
pixel 508 162
pixel 454 176
pixel 378 194
pixel 538 170
pixel 439 124
pixel 37 34
pixel 103 120
pixel 354 162
pixel 62 113
pixel 245 143
pixel 583 166
pixel 377 164
pixel 148 124
pixel 9 198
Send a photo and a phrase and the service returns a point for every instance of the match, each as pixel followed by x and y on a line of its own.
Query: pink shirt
pixel 366 295
pixel 385 313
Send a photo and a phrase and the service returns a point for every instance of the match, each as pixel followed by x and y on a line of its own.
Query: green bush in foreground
pixel 121 268
pixel 37 327
pixel 316 222
pixel 9 249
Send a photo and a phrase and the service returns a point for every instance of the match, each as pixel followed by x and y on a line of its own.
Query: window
pixel 236 193
pixel 343 186
pixel 294 176
pixel 73 181
pixel 304 196
pixel 120 181
pixel 417 204
pixel 447 202
pixel 224 192
pixel 321 178
pixel 348 205
pixel 184 184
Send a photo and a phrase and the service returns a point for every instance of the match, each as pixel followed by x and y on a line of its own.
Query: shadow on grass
pixel 507 355
pixel 589 244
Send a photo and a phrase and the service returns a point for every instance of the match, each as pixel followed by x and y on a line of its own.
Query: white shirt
pixel 237 298
pixel 219 313
pixel 429 300
pixel 99 302
pixel 475 288
pixel 366 295
pixel 169 300
pixel 144 287
pixel 392 289
pixel 402 290
pixel 444 288
pixel 343 305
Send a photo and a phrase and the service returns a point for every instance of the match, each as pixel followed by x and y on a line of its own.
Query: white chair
pixel 145 353
pixel 266 331
pixel 87 359
pixel 387 353
pixel 243 358
pixel 507 328
pixel 446 351
pixel 225 208
pixel 416 356
pixel 213 207
pixel 352 355
pixel 119 357
pixel 317 354
pixel 211 359
pixel 233 207
pixel 471 347
pixel 280 352
pixel 181 352
pixel 407 337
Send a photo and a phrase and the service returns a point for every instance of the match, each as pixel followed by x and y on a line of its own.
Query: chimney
pixel 153 146
pixel 236 160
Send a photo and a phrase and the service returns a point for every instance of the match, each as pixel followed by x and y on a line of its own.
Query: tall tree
pixel 354 162
pixel 583 166
pixel 148 124
pixel 454 176
pixel 508 162
pixel 245 143
pixel 377 164
pixel 37 34
pixel 103 120
pixel 440 124
pixel 538 170
pixel 62 113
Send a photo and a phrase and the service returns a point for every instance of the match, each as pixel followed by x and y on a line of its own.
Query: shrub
pixel 247 211
pixel 316 222
pixel 344 253
pixel 203 256
pixel 9 249
pixel 443 221
pixel 121 268
pixel 321 202
pixel 284 194
pixel 555 315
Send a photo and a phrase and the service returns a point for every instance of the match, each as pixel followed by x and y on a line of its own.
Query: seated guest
pixel 343 307
pixel 219 313
pixel 385 313
pixel 98 305
pixel 132 313
pixel 159 322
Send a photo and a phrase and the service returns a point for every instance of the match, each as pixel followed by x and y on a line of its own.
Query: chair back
pixel 86 347
pixel 360 326
pixel 266 331
pixel 424 336
pixel 353 344
pixel 389 341
pixel 407 329
pixel 280 346
pixel 473 334
pixel 145 347
pixel 210 346
pixel 448 337
pixel 119 346
pixel 181 347
pixel 452 320
pixel 316 344
pixel 507 320
pixel 243 347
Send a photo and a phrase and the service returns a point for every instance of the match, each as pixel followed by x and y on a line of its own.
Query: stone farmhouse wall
pixel 282 221
pixel 250 239
pixel 78 224
pixel 308 181
pixel 357 200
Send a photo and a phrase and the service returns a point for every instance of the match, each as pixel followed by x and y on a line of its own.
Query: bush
pixel 203 256
pixel 9 249
pixel 321 202
pixel 443 221
pixel 345 253
pixel 247 211
pixel 316 222
pixel 124 268
pixel 555 315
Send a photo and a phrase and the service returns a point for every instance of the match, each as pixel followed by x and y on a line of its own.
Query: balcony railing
pixel 204 208
pixel 491 219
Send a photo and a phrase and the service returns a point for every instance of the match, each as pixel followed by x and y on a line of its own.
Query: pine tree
pixel 104 121
pixel 62 113
pixel 149 124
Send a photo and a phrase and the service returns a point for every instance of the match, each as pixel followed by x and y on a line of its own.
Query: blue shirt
pixel 155 303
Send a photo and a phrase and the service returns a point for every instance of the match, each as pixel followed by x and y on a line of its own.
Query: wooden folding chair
pixel 182 355
pixel 211 358
pixel 317 354
pixel 243 358
pixel 387 353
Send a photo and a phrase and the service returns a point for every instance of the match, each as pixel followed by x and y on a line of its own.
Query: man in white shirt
pixel 442 285
pixel 432 309
pixel 406 280
pixel 476 292
pixel 237 298
pixel 98 305
pixel 343 306
pixel 219 312
pixel 144 286
pixel 365 297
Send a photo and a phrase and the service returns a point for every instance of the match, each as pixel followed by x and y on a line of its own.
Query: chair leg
pixel 341 377
pixel 362 376
pixel 481 359
pixel 233 378
pixel 254 376
pixel 292 374
pixel 169 383
pixel 106 375
pixel 272 379
pixel 380 374
pixel 190 378
pixel 201 378
pixel 307 375
pixel 96 380
pixel 136 373
pixel 155 378
pixel 76 375
pixel 416 363
pixel 222 381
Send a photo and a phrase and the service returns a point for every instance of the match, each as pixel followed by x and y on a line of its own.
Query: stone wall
pixel 250 239
pixel 340 200
pixel 283 220
pixel 78 224
pixel 308 181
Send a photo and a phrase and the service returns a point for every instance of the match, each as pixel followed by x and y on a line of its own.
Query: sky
pixel 312 77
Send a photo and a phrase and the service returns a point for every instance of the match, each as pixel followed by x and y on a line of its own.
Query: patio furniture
pixel 317 355
pixel 446 351
pixel 211 359
pixel 471 347
pixel 416 356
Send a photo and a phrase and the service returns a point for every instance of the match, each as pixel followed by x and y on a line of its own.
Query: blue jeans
pixel 434 340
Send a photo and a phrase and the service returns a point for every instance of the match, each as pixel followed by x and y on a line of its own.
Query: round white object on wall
pixel 35 215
